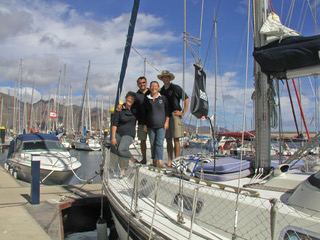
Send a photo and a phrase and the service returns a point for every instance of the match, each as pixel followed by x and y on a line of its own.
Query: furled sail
pixel 273 29
pixel 199 101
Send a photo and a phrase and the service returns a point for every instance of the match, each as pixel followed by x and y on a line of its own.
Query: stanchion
pixel 35 181
pixel 2 134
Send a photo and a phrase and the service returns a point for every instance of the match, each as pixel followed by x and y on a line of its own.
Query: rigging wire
pixel 243 125
pixel 145 59
pixel 302 17
pixel 314 17
pixel 290 12
pixel 212 31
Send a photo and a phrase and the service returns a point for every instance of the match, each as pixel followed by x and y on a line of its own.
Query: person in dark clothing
pixel 142 92
pixel 174 94
pixel 156 121
pixel 123 131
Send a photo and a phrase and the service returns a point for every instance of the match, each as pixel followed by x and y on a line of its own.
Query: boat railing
pixel 149 193
pixel 304 150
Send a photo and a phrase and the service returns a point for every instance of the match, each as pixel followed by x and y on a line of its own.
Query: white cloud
pixel 48 35
pixel 46 40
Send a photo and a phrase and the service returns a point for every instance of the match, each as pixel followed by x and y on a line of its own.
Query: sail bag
pixel 199 101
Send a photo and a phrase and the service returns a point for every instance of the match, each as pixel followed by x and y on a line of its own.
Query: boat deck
pixel 22 220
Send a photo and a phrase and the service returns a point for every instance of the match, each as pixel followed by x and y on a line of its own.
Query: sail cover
pixel 199 101
pixel 277 57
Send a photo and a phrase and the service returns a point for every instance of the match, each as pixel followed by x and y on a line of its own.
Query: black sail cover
pixel 199 101
pixel 290 53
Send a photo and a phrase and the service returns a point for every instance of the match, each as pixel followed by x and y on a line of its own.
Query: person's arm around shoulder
pixel 119 107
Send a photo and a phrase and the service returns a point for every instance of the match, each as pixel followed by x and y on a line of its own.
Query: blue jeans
pixel 156 136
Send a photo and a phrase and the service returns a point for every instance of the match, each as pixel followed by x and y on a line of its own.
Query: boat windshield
pixel 55 146
pixel 34 146
pixel 42 146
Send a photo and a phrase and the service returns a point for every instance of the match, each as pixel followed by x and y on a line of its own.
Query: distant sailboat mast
pixel 31 122
pixel 83 115
pixel 20 102
pixel 1 112
pixel 64 120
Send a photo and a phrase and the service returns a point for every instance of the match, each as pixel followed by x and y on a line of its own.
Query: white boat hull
pixel 48 177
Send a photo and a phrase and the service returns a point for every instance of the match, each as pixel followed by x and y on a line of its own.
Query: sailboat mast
pixel 262 85
pixel 31 124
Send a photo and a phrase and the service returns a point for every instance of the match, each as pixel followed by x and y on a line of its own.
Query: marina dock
pixel 19 219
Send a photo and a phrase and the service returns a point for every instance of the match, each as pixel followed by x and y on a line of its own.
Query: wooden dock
pixel 19 219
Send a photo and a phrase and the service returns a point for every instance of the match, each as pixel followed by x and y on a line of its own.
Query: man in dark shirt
pixel 142 92
pixel 174 94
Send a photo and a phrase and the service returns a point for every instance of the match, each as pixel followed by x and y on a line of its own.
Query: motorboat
pixel 57 166
pixel 88 144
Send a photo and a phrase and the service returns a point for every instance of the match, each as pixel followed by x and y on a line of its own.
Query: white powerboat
pixel 88 144
pixel 57 166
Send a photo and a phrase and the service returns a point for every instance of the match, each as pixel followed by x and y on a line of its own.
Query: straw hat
pixel 166 73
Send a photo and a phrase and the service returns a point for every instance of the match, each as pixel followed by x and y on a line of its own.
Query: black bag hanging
pixel 199 101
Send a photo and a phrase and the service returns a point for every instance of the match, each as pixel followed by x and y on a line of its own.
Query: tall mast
pixel 82 116
pixel 1 107
pixel 58 100
pixel 31 122
pixel 9 122
pixel 262 86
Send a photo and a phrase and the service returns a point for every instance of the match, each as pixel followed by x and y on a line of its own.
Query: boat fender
pixel 11 170
pixel 102 230
pixel 15 174
pixel 6 166
pixel 281 170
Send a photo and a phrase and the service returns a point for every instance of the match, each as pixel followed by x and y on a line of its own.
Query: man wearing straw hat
pixel 174 94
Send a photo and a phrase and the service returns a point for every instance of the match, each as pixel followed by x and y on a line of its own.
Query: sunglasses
pixel 141 83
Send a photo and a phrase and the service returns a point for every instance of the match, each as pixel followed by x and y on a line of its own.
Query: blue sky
pixel 47 35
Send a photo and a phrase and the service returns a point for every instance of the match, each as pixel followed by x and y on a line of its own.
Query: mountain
pixel 41 120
